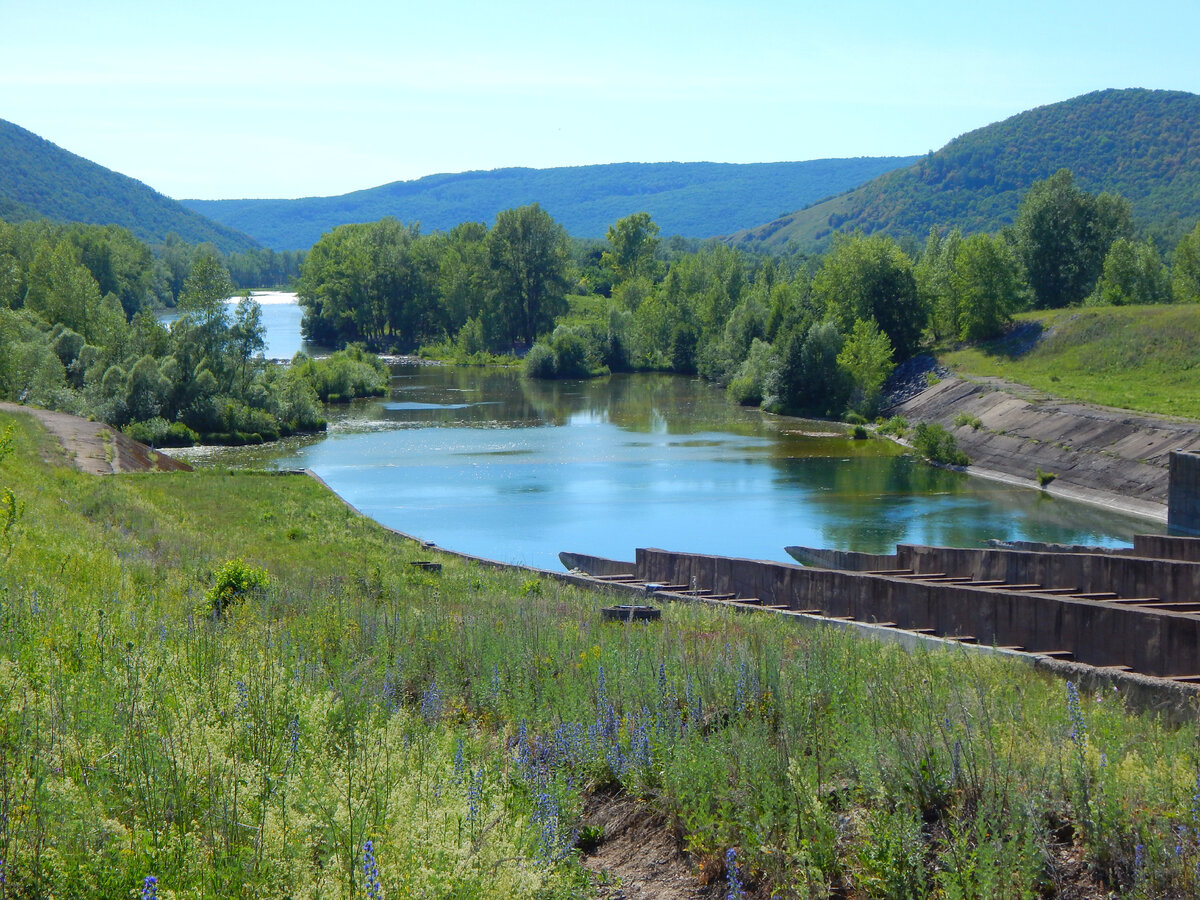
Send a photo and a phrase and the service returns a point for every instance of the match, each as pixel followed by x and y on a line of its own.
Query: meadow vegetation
pixel 1144 358
pixel 230 683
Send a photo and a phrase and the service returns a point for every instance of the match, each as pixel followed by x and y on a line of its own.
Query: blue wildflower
pixel 733 876
pixel 150 888
pixel 371 872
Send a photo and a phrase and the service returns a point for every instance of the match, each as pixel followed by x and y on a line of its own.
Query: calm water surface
pixel 281 316
pixel 482 461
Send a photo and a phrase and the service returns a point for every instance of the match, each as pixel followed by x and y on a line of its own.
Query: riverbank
pixel 1107 457
pixel 478 725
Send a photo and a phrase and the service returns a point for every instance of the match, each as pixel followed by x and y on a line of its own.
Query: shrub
pixel 938 445
pixel 744 390
pixel 539 362
pixel 896 426
pixel 967 419
pixel 234 582
pixel 1043 478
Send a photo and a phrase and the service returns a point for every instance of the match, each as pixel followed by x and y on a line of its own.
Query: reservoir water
pixel 483 461
pixel 281 316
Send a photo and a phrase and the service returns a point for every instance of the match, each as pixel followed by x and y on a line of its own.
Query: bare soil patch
pixel 640 857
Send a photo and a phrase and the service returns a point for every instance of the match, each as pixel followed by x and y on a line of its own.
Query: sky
pixel 221 100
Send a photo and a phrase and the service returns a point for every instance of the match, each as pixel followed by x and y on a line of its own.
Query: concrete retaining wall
pixel 1099 634
pixel 846 560
pixel 1161 546
pixel 1127 576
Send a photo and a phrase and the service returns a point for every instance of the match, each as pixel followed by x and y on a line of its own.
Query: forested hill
pixel 1144 145
pixel 39 179
pixel 692 199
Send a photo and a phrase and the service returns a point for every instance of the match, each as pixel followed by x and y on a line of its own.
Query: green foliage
pixel 1132 142
pixel 896 426
pixel 866 357
pixel 1043 478
pixel 1185 272
pixel 71 349
pixel 963 420
pixel 40 179
pixel 987 287
pixel 1141 357
pixel 344 375
pixel 938 445
pixel 566 354
pixel 11 509
pixel 872 278
pixel 234 582
pixel 361 701
pixel 1063 235
pixel 632 242
pixel 527 255
pixel 1133 274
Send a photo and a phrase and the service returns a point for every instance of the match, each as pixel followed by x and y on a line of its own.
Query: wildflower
pixel 431 703
pixel 1075 714
pixel 150 888
pixel 734 877
pixel 371 872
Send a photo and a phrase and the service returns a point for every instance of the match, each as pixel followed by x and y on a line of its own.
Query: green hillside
pixel 1144 145
pixel 39 179
pixel 1145 358
pixel 697 200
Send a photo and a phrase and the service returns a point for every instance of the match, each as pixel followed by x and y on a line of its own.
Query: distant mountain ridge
pixel 39 179
pixel 1141 144
pixel 692 199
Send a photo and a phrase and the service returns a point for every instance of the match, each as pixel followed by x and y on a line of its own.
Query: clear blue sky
pixel 245 99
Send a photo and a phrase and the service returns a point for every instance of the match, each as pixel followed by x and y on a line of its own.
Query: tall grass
pixel 1145 358
pixel 456 720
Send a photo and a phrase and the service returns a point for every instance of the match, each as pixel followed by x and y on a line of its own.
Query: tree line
pixel 810 335
pixel 77 334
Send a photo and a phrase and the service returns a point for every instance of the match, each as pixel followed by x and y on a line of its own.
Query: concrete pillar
pixel 1183 493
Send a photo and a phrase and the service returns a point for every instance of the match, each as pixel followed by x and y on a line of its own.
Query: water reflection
pixel 483 461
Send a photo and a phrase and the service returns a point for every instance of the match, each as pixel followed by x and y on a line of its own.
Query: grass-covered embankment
pixel 1144 358
pixel 455 719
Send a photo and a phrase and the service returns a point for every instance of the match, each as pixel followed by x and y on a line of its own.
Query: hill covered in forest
pixel 697 200
pixel 1141 144
pixel 39 179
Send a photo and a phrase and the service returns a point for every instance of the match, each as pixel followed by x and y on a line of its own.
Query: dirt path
pixel 97 448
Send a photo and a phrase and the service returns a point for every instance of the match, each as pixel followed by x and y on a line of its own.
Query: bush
pixel 234 582
pixel 967 419
pixel 896 426
pixel 744 390
pixel 539 362
pixel 1043 478
pixel 938 445
pixel 157 432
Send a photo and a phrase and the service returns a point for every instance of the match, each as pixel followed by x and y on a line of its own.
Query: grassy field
pixel 1144 358
pixel 361 727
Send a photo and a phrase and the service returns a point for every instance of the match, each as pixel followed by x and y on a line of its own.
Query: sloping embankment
pixel 1113 457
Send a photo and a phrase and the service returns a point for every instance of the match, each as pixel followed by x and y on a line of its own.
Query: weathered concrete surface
pixel 846 560
pixel 1184 493
pixel 1152 642
pixel 1171 581
pixel 1161 546
pixel 1113 457
pixel 594 565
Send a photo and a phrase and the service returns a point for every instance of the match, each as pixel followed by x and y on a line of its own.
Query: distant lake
pixel 483 461
pixel 281 316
